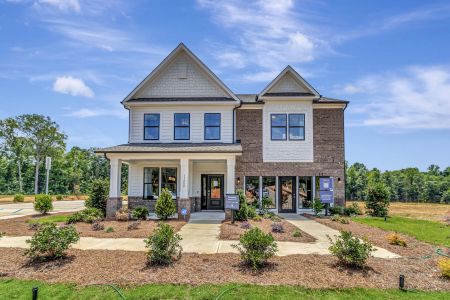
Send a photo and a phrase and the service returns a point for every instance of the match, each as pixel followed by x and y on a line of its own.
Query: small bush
pixel 246 225
pixel 164 245
pixel 87 215
pixel 352 210
pixel 266 202
pixel 109 229
pixel 277 227
pixel 140 213
pixel 317 206
pixel 251 212
pixel 122 215
pixel 98 195
pixel 340 219
pixel 275 218
pixel 395 239
pixel 165 207
pixel 377 202
pixel 134 225
pixel 256 247
pixel 444 266
pixel 336 210
pixel 257 218
pixel 242 213
pixel 350 250
pixel 34 226
pixel 59 197
pixel 43 203
pixel 97 226
pixel 268 215
pixel 51 241
pixel 18 198
pixel 297 233
pixel 75 218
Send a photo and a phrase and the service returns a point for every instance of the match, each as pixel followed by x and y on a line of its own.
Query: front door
pixel 286 194
pixel 212 196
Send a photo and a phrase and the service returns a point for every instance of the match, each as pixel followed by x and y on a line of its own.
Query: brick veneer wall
pixel 328 130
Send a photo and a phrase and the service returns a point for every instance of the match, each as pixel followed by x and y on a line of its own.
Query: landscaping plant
pixel 297 233
pixel 98 195
pixel 377 200
pixel 444 266
pixel 109 229
pixel 350 250
pixel 317 206
pixel 51 242
pixel 336 210
pixel 257 218
pixel 266 202
pixel 352 210
pixel 140 213
pixel 277 227
pixel 134 225
pixel 165 207
pixel 256 247
pixel 242 213
pixel 87 215
pixel 18 198
pixel 97 226
pixel 396 239
pixel 122 215
pixel 164 245
pixel 43 203
pixel 246 225
pixel 59 197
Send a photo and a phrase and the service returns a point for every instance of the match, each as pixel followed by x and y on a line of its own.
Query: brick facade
pixel 329 158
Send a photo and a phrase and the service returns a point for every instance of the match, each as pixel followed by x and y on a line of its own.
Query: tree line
pixel 409 184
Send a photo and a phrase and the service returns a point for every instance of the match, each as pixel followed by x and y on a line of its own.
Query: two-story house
pixel 189 133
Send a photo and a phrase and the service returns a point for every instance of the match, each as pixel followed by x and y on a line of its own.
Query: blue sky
pixel 75 60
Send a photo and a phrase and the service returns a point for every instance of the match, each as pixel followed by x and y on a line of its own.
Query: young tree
pixel 45 138
pixel 377 202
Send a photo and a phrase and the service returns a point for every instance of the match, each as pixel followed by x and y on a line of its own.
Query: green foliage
pixel 18 198
pixel 317 206
pixel 87 215
pixel 122 215
pixel 98 195
pixel 43 203
pixel 51 242
pixel 251 212
pixel 59 197
pixel 256 247
pixel 352 210
pixel 377 202
pixel 266 202
pixel 109 229
pixel 49 219
pixel 351 250
pixel 257 218
pixel 165 206
pixel 338 218
pixel 336 210
pixel 242 213
pixel 297 233
pixel 164 245
pixel 446 196
pixel 396 239
pixel 140 212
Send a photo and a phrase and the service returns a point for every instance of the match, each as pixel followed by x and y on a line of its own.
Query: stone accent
pixel 185 203
pixel 134 202
pixel 329 158
pixel 113 205
pixel 228 213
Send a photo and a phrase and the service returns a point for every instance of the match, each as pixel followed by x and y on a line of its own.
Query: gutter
pixel 234 120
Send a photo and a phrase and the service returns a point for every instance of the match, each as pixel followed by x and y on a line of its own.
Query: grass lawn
pixel 19 289
pixel 423 230
pixel 49 219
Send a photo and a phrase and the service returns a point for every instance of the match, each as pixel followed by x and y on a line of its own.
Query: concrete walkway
pixel 15 210
pixel 201 235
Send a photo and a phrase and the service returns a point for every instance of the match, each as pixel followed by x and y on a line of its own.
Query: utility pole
pixel 48 166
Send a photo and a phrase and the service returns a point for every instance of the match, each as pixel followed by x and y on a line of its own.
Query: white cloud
pixel 417 98
pixel 97 112
pixel 62 5
pixel 72 86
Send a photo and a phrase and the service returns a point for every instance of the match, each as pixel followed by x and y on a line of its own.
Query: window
pixel 169 180
pixel 182 126
pixel 304 192
pixel 151 183
pixel 297 127
pixel 252 188
pixel 212 126
pixel 278 124
pixel 269 189
pixel 151 126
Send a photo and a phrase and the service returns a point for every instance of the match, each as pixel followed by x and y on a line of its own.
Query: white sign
pixel 48 163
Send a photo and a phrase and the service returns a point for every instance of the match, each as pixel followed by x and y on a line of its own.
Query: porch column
pixel 231 163
pixel 115 197
pixel 184 202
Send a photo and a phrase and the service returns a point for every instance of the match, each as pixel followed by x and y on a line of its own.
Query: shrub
pixel 256 247
pixel 75 217
pixel 165 207
pixel 297 233
pixel 277 227
pixel 164 245
pixel 51 242
pixel 34 226
pixel 446 196
pixel 242 213
pixel 59 197
pixel 342 220
pixel 257 218
pixel 377 202
pixel 97 226
pixel 43 203
pixel 88 215
pixel 317 206
pixel 251 212
pixel 444 266
pixel 1 234
pixel 109 229
pixel 395 239
pixel 122 214
pixel 268 215
pixel 336 210
pixel 134 225
pixel 18 198
pixel 275 218
pixel 98 195
pixel 352 210
pixel 246 225
pixel 140 213
pixel 266 202
pixel 350 250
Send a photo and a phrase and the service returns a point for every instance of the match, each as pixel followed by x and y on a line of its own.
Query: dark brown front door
pixel 287 194
pixel 212 196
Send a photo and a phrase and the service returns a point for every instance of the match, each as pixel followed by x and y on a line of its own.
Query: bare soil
pixel 19 227
pixel 230 231
pixel 130 268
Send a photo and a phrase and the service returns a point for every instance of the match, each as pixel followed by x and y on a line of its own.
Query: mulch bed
pixel 377 236
pixel 19 227
pixel 230 231
pixel 129 268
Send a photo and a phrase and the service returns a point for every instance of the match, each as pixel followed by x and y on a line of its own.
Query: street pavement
pixel 15 210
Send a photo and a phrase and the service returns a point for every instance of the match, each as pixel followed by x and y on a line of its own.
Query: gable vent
pixel 182 70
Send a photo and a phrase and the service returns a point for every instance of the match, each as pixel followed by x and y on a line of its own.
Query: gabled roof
pixel 179 49
pixel 310 91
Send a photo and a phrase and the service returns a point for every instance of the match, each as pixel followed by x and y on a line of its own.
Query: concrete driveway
pixel 9 211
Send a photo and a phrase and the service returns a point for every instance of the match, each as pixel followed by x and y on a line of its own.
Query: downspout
pixel 345 167
pixel 234 119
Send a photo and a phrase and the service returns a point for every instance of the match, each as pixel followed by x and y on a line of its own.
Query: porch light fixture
pixel 238 180
pixel 339 179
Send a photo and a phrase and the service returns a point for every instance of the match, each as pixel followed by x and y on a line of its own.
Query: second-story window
pixel 212 126
pixel 151 126
pixel 182 126
pixel 297 127
pixel 278 126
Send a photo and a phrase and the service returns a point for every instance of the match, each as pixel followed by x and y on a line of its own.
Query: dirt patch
pixel 230 231
pixel 313 271
pixel 377 236
pixel 19 227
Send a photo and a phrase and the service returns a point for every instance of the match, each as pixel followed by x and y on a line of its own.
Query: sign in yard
pixel 326 192
pixel 232 201
pixel 184 211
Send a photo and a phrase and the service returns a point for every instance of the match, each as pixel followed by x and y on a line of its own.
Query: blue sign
pixel 326 192
pixel 232 201
pixel 183 211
